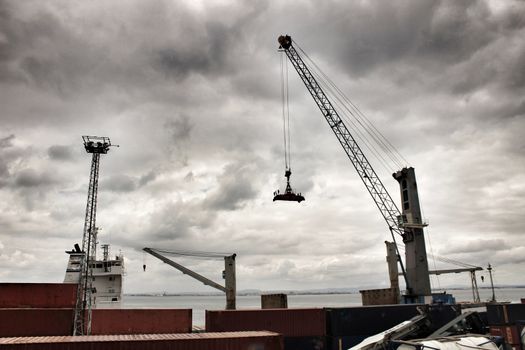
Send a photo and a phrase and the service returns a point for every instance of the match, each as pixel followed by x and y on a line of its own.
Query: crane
pixel 408 223
pixel 82 321
pixel 228 274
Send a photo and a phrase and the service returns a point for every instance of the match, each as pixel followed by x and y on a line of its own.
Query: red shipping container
pixel 196 341
pixel 511 334
pixel 140 321
pixel 288 322
pixel 35 322
pixel 38 295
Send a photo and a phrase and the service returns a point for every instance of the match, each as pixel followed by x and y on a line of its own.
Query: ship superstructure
pixel 107 276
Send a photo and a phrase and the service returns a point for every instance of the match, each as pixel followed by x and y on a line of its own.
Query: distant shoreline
pixel 289 292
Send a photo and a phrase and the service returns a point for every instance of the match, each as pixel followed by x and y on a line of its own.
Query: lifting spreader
pixel 288 194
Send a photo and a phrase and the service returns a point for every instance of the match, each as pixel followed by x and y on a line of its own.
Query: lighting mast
pixel 82 323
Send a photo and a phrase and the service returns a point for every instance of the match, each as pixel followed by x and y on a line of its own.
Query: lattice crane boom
pixel 373 184
pixel 416 275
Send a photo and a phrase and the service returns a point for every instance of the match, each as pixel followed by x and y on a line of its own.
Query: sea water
pixel 200 303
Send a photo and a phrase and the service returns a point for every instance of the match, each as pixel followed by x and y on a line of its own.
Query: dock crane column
pixel 411 222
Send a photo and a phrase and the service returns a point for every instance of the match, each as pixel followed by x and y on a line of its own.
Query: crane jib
pixel 373 184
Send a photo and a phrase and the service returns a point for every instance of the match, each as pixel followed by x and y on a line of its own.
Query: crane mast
pixel 82 321
pixel 416 278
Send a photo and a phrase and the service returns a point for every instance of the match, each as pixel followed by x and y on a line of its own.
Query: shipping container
pixel 304 343
pixel 35 322
pixel 511 334
pixel 37 295
pixel 140 321
pixel 288 322
pixel 200 341
pixel 368 320
pixel 505 314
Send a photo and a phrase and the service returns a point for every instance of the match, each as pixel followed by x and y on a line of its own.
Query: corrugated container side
pixel 505 314
pixel 37 295
pixel 35 322
pixel 288 322
pixel 368 320
pixel 201 341
pixel 305 343
pixel 141 321
pixel 511 334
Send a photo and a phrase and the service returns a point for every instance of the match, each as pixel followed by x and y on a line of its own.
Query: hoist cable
pixel 448 260
pixel 364 123
pixel 195 254
pixel 389 150
pixel 356 130
pixel 288 133
pixel 371 129
pixel 283 101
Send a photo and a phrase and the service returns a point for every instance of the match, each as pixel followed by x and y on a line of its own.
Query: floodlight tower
pixel 82 324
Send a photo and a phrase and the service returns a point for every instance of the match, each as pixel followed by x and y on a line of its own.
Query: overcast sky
pixel 191 92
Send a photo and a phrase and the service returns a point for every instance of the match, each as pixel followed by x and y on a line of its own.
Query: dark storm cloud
pixel 209 54
pixel 119 183
pixel 58 152
pixel 180 128
pixel 124 183
pixel 147 178
pixel 32 178
pixel 177 220
pixel 7 141
pixel 235 188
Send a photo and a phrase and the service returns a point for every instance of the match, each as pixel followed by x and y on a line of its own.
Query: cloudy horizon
pixel 190 91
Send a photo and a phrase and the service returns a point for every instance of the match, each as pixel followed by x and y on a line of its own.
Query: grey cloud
pixel 125 183
pixel 189 177
pixel 7 141
pixel 478 245
pixel 32 178
pixel 180 128
pixel 234 190
pixel 119 183
pixel 58 152
pixel 177 220
pixel 147 178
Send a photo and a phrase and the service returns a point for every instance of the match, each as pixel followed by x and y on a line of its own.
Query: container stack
pixel 507 321
pixel 349 326
pixel 302 329
pixel 197 341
